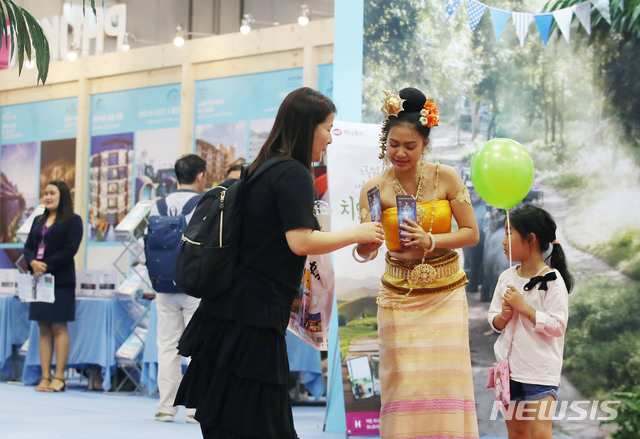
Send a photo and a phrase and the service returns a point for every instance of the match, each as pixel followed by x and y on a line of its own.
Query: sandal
pixel 44 384
pixel 58 389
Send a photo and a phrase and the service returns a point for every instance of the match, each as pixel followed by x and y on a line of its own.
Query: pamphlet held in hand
pixel 375 206
pixel 406 209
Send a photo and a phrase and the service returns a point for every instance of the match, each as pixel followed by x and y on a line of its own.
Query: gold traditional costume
pixel 425 362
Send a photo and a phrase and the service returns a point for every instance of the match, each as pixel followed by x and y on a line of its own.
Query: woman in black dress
pixel 52 243
pixel 238 375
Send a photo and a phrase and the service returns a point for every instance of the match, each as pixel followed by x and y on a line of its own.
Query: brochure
pixel 41 291
pixel 406 209
pixel 9 282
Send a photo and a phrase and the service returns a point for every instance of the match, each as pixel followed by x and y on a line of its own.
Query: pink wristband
pixel 504 318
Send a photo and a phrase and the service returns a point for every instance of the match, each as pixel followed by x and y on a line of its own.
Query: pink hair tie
pixel 555 241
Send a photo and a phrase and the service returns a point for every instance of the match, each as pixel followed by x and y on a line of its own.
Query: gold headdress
pixel 392 105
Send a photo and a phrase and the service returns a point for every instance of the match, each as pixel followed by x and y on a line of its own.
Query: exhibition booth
pixel 112 125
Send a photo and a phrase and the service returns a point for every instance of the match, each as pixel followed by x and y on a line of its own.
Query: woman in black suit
pixel 52 243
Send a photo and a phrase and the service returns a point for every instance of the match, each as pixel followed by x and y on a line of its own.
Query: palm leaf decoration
pixel 22 32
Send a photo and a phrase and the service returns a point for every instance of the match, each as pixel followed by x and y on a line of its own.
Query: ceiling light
pixel 178 41
pixel 303 19
pixel 30 62
pixel 125 43
pixel 72 54
pixel 245 24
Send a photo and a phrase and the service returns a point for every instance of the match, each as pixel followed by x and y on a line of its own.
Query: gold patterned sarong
pixel 425 362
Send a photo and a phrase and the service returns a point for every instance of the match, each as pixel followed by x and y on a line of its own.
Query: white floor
pixel 81 414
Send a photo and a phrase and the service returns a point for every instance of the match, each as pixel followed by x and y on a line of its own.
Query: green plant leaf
pixel 40 41
pixel 24 35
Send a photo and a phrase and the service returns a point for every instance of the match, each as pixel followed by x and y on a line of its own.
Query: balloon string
pixel 509 237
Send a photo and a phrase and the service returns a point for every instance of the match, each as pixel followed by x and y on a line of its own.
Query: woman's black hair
pixel 410 115
pixel 294 128
pixel 65 204
pixel 532 219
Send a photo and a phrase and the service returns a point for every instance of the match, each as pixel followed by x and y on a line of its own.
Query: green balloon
pixel 502 172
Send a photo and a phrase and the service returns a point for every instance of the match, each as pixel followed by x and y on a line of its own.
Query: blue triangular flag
pixel 543 21
pixel 476 11
pixel 451 7
pixel 603 7
pixel 499 18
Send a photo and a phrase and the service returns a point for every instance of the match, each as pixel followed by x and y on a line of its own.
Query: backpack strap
pixel 190 205
pixel 262 169
pixel 161 204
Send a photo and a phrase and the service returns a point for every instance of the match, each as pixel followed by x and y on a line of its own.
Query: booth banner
pixel 37 145
pixel 234 115
pixel 352 159
pixel 135 141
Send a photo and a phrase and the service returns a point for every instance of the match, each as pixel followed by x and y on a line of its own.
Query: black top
pixel 61 240
pixel 279 200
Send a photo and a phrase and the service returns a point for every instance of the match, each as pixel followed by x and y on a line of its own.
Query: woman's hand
pixel 39 268
pixel 419 238
pixel 369 236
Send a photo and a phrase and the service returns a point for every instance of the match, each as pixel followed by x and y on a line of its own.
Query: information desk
pixel 101 326
pixel 302 358
pixel 14 328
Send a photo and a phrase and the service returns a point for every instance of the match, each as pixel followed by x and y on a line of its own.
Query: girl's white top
pixel 536 355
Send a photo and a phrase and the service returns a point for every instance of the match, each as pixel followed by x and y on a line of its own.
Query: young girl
pixel 530 309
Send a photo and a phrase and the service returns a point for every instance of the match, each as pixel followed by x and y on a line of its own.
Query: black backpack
pixel 207 260
pixel 161 244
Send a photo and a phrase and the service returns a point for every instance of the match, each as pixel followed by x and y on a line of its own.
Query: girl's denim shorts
pixel 531 392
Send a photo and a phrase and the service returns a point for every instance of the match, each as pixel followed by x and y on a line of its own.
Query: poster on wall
pixel 234 115
pixel 134 144
pixel 37 145
pixel 352 159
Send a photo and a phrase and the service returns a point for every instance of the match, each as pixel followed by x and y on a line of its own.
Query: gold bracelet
pixel 367 259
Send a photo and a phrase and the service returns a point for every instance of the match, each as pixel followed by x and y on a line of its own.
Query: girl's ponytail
pixel 558 261
pixel 532 219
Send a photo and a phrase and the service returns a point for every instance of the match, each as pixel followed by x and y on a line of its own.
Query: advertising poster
pixel 37 145
pixel 134 144
pixel 234 115
pixel 352 159
pixel 566 97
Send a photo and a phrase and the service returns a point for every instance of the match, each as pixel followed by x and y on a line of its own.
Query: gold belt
pixel 445 265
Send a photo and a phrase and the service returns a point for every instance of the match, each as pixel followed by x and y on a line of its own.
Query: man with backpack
pixel 167 221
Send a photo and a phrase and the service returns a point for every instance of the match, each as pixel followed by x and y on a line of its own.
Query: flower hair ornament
pixel 429 114
pixel 393 104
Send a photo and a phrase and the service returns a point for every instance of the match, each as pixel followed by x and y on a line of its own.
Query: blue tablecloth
pixel 302 357
pixel 14 328
pixel 101 326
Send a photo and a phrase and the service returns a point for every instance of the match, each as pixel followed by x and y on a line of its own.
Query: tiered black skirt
pixel 237 378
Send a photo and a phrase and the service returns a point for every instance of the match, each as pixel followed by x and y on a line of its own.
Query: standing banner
pixel 352 159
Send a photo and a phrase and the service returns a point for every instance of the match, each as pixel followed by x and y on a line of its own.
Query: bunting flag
pixel 476 10
pixel 522 20
pixel 583 12
pixel 543 21
pixel 603 7
pixel 499 19
pixel 563 18
pixel 452 5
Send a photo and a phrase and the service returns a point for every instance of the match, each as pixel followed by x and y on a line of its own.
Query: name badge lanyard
pixel 40 254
